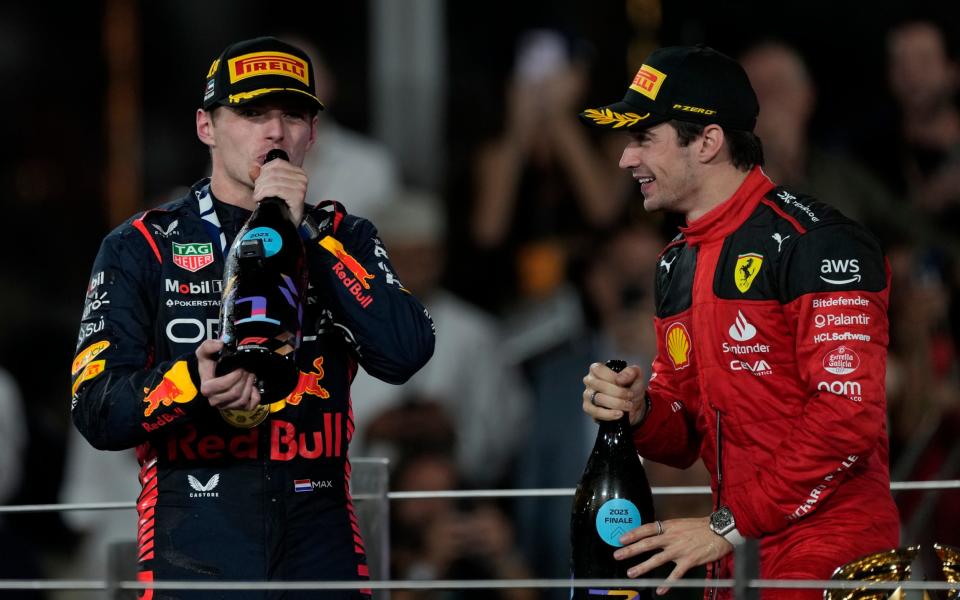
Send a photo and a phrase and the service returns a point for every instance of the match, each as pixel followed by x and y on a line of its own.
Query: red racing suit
pixel 771 322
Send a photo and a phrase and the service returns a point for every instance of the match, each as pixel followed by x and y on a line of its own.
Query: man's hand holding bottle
pixel 237 390
pixel 608 395
pixel 279 178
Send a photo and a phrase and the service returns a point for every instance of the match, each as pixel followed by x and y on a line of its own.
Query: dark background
pixel 54 127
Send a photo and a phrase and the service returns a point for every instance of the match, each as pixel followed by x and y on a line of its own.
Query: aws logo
pixel 849 268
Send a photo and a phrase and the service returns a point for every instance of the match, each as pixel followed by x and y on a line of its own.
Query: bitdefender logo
pixel 204 490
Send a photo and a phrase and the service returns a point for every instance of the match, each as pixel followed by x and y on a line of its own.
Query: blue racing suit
pixel 258 495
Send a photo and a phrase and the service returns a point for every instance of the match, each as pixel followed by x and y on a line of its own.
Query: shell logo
pixel 678 345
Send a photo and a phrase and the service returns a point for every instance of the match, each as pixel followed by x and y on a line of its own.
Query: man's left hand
pixel 686 542
pixel 281 179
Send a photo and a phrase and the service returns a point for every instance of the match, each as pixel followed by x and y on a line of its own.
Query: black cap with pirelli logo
pixel 686 83
pixel 253 69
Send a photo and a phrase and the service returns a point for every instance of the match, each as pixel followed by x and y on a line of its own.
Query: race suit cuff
pixel 647 407
pixel 750 522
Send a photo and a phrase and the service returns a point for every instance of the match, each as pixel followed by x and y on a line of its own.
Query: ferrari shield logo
pixel 192 257
pixel 748 265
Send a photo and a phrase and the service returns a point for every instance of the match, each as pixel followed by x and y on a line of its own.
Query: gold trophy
pixel 894 565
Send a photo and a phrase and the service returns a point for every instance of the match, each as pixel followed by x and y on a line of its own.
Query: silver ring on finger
pixel 659 527
pixel 593 397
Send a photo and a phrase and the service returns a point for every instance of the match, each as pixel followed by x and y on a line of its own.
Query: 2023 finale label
pixel 616 517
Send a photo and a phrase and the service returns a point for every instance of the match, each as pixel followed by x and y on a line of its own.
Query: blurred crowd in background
pixel 520 234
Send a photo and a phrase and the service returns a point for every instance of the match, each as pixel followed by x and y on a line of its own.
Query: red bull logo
pixel 351 284
pixel 309 383
pixel 164 419
pixel 352 264
pixel 176 386
pixel 286 442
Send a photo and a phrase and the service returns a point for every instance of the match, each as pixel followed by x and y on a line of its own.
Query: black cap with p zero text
pixel 686 83
pixel 252 69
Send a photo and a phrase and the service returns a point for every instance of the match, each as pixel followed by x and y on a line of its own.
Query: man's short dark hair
pixel 746 150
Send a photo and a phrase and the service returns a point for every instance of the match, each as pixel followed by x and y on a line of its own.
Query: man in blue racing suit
pixel 232 488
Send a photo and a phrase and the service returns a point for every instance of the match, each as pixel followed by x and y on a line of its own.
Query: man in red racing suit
pixel 771 324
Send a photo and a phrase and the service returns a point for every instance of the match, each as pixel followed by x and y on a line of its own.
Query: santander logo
pixel 742 330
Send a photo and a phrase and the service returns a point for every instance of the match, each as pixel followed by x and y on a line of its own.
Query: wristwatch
pixel 723 524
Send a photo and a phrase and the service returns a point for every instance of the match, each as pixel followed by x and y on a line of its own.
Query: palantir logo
pixel 742 330
pixel 204 490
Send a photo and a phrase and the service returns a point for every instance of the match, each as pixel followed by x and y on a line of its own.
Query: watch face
pixel 721 520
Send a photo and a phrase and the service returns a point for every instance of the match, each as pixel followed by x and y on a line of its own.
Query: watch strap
pixel 733 536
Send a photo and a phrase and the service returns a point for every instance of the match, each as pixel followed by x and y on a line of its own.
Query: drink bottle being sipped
pixel 261 310
pixel 612 498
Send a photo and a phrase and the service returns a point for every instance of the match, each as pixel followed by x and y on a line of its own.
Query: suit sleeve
pixel 119 397
pixel 668 433
pixel 835 286
pixel 390 330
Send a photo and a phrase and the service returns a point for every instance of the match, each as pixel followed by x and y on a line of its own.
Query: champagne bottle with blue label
pixel 261 309
pixel 612 498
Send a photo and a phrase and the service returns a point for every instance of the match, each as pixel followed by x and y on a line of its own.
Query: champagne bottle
pixel 612 498
pixel 261 310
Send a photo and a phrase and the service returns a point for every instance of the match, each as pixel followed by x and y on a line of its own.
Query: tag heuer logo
pixel 192 257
